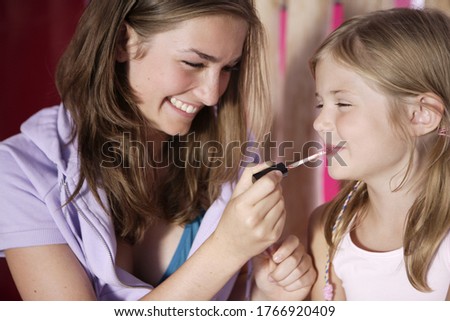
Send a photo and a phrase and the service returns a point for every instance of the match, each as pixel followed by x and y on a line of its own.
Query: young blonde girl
pixel 112 195
pixel 383 88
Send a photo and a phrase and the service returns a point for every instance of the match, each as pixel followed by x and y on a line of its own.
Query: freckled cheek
pixel 346 127
pixel 173 82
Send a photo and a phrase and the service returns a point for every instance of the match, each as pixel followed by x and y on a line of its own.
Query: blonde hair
pixel 403 52
pixel 95 90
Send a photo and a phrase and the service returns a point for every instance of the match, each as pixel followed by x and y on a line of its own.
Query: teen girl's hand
pixel 254 217
pixel 252 221
pixel 283 273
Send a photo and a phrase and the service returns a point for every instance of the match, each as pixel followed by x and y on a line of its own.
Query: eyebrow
pixel 345 91
pixel 209 57
pixel 334 92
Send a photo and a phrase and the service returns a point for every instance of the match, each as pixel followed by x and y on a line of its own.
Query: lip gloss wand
pixel 283 168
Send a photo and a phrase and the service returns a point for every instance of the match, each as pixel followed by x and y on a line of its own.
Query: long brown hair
pixel 113 136
pixel 403 52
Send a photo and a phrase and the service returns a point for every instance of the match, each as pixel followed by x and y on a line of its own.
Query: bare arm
pixel 50 272
pixel 319 250
pixel 252 221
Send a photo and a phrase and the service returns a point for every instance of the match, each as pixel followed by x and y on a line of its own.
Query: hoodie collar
pixel 50 130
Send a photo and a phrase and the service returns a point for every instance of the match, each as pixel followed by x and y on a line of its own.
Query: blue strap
pixel 182 251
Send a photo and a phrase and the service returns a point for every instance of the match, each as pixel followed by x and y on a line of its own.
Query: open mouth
pixel 189 109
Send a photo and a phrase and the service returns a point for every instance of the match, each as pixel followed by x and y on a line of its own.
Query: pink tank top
pixel 382 275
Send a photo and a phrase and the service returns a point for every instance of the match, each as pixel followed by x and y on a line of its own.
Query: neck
pixel 390 206
pixel 390 198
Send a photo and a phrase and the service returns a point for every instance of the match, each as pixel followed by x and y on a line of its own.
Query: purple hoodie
pixel 38 171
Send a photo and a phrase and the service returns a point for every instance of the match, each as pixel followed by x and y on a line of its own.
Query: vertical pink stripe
pixel 402 3
pixel 331 186
pixel 338 15
pixel 282 39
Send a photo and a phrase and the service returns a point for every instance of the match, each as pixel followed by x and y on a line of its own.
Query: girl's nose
pixel 211 86
pixel 323 122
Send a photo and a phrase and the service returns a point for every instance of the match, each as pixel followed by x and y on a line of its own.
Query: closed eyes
pixel 194 65
pixel 202 65
pixel 343 105
pixel 336 104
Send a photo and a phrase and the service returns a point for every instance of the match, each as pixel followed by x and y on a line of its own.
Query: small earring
pixel 443 132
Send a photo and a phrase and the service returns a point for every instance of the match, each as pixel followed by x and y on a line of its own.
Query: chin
pixel 176 131
pixel 337 174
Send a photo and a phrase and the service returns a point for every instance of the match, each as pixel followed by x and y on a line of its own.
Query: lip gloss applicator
pixel 283 168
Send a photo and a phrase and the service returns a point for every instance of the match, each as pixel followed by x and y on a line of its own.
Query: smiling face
pixel 354 112
pixel 186 69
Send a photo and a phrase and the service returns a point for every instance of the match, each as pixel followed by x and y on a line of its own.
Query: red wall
pixel 33 35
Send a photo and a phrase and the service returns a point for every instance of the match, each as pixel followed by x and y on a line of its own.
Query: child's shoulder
pixel 316 228
pixel 317 217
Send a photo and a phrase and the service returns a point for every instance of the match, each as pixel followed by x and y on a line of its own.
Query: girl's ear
pixel 127 40
pixel 426 113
